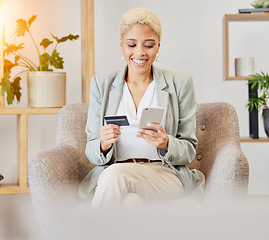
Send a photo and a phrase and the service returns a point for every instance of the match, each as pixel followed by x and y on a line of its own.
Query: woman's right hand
pixel 108 135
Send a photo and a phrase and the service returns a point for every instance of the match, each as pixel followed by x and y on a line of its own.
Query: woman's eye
pixel 131 45
pixel 149 46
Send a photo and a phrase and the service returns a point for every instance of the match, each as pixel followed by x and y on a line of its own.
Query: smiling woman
pixel 118 151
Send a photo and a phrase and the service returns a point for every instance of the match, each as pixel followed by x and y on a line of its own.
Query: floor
pixel 240 220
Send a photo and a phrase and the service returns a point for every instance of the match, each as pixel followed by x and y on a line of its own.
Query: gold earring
pixel 157 57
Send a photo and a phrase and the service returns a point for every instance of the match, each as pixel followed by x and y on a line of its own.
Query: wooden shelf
pixel 247 17
pixel 22 146
pixel 28 111
pixel 239 78
pixel 87 41
pixel 13 189
pixel 236 18
pixel 251 140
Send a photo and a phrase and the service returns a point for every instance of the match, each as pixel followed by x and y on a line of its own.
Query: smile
pixel 139 62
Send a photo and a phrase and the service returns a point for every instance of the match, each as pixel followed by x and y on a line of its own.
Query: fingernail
pixel 148 124
pixel 139 130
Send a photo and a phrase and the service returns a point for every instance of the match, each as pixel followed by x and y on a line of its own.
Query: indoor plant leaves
pixel 46 60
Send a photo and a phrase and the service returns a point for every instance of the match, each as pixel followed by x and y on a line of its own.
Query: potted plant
pixel 45 87
pixel 261 81
pixel 261 4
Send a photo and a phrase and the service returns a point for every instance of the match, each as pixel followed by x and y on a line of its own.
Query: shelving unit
pixel 237 18
pixel 251 140
pixel 253 116
pixel 87 62
pixel 22 145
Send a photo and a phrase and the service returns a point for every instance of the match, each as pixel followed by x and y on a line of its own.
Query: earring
pixel 122 58
pixel 157 57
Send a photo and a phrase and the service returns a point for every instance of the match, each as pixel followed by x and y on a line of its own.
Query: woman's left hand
pixel 158 139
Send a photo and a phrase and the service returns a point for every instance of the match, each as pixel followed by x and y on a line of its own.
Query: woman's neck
pixel 137 78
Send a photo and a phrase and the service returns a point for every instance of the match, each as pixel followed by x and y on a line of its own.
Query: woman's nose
pixel 140 50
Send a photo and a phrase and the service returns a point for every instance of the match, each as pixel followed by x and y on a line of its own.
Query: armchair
pixel 56 173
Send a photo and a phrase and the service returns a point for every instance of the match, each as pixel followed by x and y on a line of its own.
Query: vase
pixel 46 89
pixel 244 66
pixel 265 115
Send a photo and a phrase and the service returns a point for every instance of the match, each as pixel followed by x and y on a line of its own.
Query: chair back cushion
pixel 216 125
pixel 71 123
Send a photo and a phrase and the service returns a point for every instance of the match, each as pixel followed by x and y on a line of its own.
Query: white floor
pixel 171 221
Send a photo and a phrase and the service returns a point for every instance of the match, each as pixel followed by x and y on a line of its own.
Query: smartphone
pixel 151 115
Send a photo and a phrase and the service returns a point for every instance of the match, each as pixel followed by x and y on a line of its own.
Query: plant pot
pixel 46 89
pixel 265 115
pixel 244 66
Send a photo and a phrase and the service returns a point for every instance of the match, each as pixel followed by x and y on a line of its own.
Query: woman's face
pixel 140 45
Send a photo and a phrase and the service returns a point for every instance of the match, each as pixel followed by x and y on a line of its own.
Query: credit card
pixel 117 120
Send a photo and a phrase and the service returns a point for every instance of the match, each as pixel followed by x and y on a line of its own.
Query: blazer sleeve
pixel 94 122
pixel 181 147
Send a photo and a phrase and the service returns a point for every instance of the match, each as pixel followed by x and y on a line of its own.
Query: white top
pixel 129 145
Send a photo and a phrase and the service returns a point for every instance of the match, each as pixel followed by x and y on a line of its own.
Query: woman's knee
pixel 113 173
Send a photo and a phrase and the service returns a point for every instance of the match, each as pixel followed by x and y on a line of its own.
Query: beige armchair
pixel 54 175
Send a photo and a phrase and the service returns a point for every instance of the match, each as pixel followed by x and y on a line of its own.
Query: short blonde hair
pixel 141 16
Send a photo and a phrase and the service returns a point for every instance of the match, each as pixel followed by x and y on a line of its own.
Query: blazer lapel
pixel 161 93
pixel 116 93
pixel 117 88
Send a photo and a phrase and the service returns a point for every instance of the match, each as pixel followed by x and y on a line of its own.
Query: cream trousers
pixel 126 184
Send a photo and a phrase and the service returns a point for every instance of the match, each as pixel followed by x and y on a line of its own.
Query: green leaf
pixel 7 88
pixel 258 3
pixel 21 28
pixel 266 4
pixel 16 88
pixel 253 84
pixel 30 21
pixel 45 43
pixel 17 58
pixel 8 65
pixel 56 61
pixel 45 61
pixel 64 39
pixel 11 48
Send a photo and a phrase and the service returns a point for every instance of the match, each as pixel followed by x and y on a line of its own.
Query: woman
pixel 140 164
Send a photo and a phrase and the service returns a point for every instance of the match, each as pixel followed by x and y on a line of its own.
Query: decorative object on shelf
pixel 11 86
pixel 244 66
pixel 261 83
pixel 265 115
pixel 253 10
pixel 261 4
pixel 46 89
pixel 1 178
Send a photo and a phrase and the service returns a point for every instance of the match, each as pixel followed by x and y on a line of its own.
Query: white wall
pixel 191 43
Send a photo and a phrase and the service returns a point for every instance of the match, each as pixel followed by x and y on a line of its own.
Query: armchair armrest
pixel 228 177
pixel 56 173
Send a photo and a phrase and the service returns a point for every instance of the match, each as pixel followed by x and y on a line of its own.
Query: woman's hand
pixel 108 135
pixel 158 139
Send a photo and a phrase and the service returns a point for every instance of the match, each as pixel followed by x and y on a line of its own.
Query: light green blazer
pixel 175 93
